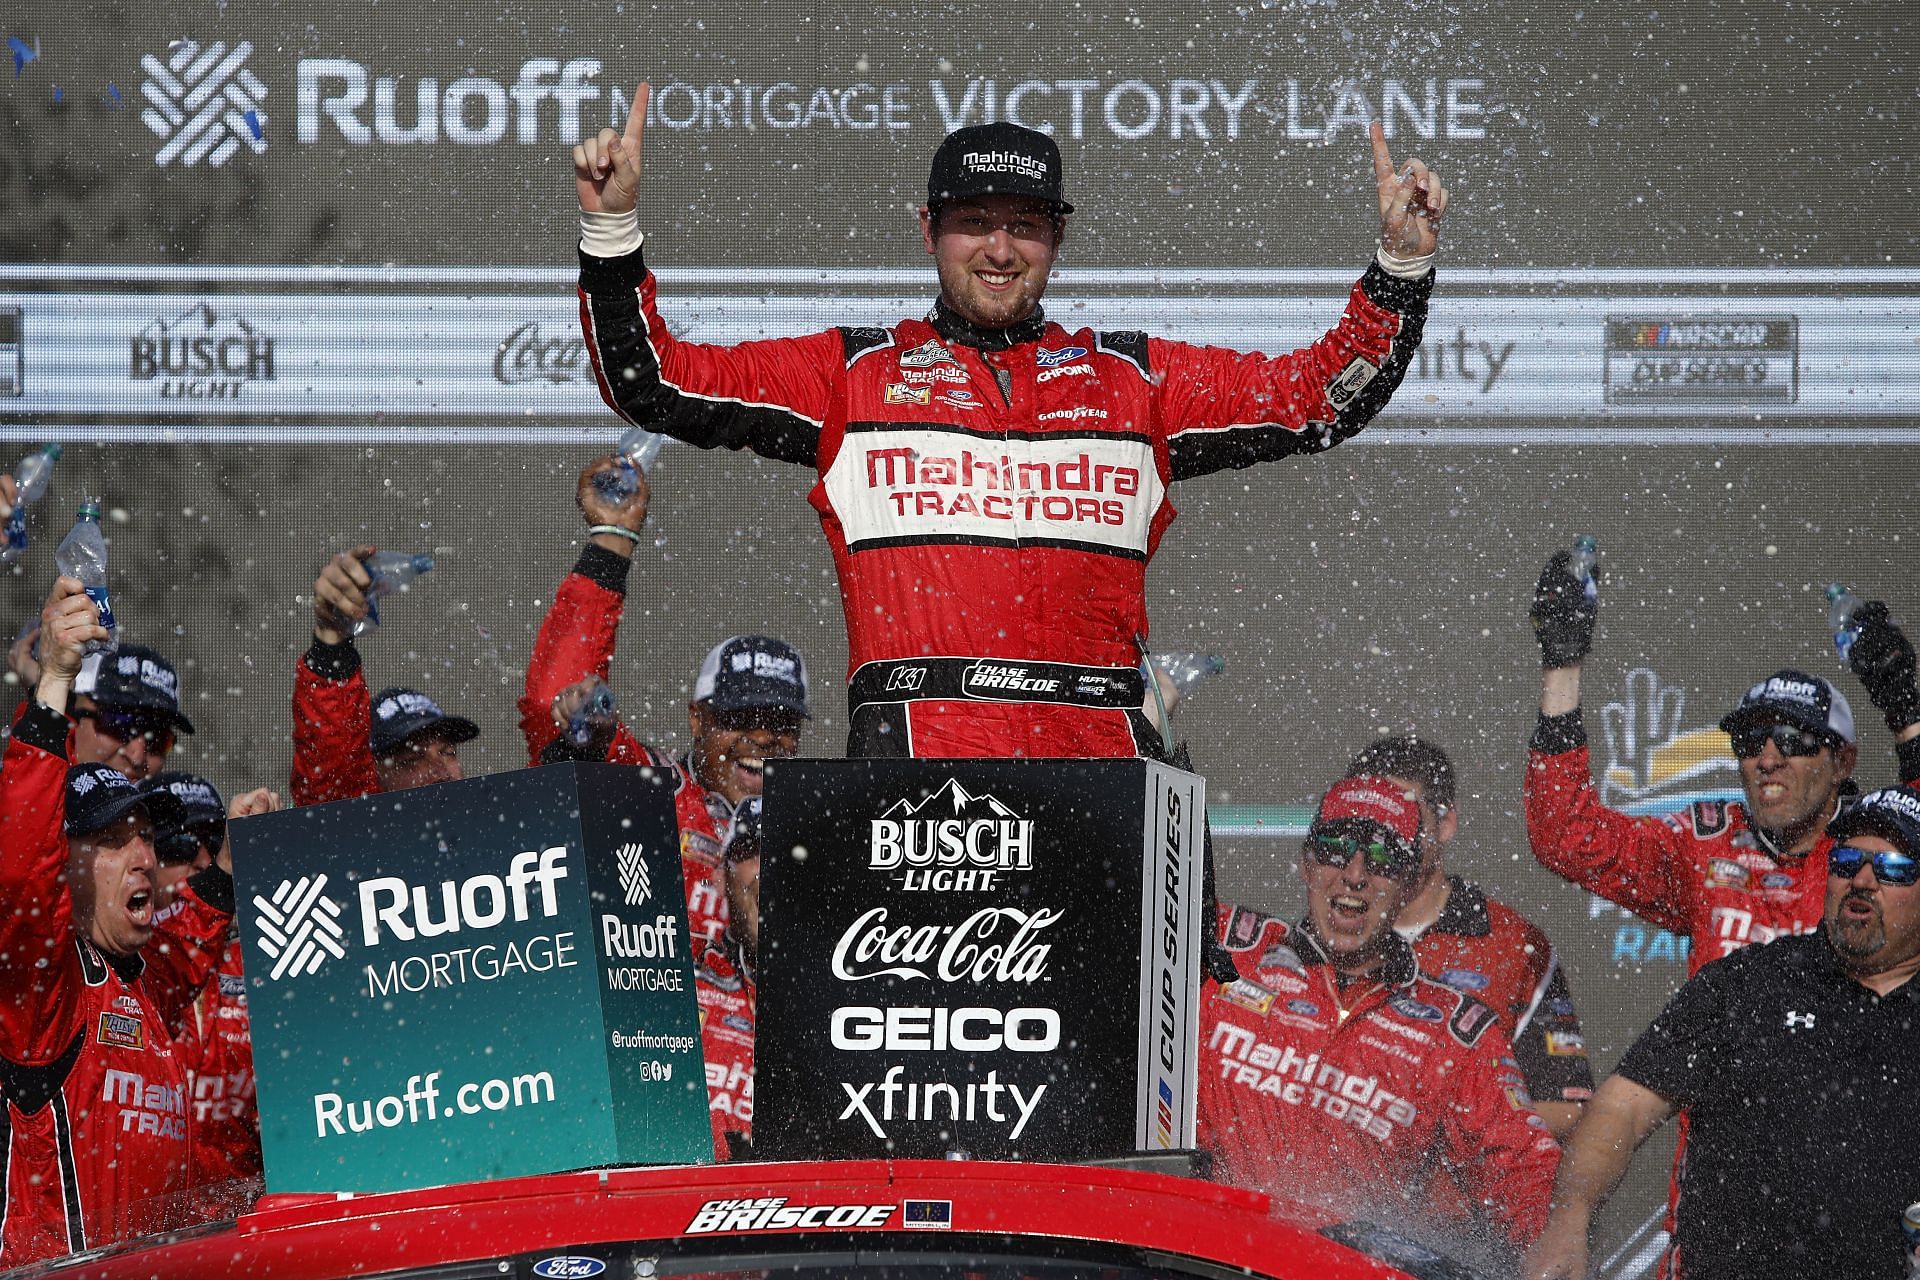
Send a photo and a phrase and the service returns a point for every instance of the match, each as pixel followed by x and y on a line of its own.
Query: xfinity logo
pixel 299 927
pixel 203 104
pixel 950 830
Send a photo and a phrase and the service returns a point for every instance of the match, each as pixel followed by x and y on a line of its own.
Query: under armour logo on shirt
pixel 1797 1020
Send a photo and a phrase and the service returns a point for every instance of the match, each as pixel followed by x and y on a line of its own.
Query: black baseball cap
pixel 998 159
pixel 201 810
pixel 1892 812
pixel 1796 698
pixel 744 673
pixel 399 714
pixel 99 795
pixel 134 678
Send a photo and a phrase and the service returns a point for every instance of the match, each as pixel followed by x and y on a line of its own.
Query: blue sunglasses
pixel 1889 867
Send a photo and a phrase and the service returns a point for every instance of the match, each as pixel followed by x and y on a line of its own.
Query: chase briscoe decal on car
pixel 568 1267
pixel 773 1213
pixel 898 485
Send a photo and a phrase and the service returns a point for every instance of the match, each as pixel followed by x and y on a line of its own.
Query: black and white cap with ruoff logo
pixel 1796 698
pixel 744 673
pixel 998 159
pixel 1890 812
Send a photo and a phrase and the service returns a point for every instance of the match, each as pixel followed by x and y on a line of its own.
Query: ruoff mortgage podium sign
pixel 472 980
pixel 995 957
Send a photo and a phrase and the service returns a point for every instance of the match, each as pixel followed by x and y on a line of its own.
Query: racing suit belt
pixel 996 680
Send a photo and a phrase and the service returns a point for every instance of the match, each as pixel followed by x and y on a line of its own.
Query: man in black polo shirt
pixel 1799 1065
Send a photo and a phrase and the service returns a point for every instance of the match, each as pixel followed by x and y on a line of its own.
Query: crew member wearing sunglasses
pixel 1797 1064
pixel 1722 875
pixel 1332 1064
pixel 126 711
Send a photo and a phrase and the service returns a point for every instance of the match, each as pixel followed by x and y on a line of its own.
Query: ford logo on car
pixel 568 1268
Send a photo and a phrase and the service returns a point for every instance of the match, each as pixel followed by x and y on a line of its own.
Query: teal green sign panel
pixel 473 980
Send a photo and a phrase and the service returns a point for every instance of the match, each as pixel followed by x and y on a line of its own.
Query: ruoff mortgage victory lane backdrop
pixel 290 278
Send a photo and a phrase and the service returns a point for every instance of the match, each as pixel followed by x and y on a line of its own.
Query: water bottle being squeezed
pixel 30 479
pixel 594 716
pixel 391 571
pixel 637 454
pixel 83 556
pixel 1842 604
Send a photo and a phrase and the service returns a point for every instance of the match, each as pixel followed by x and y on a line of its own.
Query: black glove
pixel 1882 657
pixel 1563 613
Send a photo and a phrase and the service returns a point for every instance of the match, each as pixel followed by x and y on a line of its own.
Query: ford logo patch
pixel 568 1268
pixel 1048 359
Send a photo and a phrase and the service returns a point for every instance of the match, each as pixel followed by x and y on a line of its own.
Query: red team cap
pixel 1375 800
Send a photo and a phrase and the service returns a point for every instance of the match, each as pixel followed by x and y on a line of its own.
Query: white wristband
pixel 610 235
pixel 1406 268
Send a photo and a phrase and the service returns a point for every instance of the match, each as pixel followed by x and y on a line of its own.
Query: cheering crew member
pixel 212 1036
pixel 1485 948
pixel 749 704
pixel 992 484
pixel 346 745
pixel 1796 1064
pixel 1721 875
pixel 1331 1063
pixel 96 1110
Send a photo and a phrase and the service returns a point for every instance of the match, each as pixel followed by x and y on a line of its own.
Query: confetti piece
pixel 113 93
pixel 23 53
pixel 58 96
pixel 253 123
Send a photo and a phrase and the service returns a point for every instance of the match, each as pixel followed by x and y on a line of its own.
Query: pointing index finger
pixel 637 117
pixel 1382 162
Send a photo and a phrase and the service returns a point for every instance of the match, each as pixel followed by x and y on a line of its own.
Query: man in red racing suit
pixel 95 1110
pixel 1331 1063
pixel 748 707
pixel 991 483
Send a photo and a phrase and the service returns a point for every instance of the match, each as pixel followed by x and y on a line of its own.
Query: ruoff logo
pixel 299 927
pixel 635 883
pixel 951 829
pixel 203 103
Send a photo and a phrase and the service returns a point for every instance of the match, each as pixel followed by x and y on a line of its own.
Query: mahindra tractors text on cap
pixel 998 159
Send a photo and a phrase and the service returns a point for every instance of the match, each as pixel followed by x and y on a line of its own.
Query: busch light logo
pixel 568 1268
pixel 635 883
pixel 203 104
pixel 200 355
pixel 1052 359
pixel 951 840
pixel 299 927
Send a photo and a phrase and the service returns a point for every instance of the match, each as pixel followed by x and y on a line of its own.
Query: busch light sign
pixel 995 958
pixel 472 980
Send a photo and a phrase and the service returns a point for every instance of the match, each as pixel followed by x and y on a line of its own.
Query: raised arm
pixel 1621 1116
pixel 332 754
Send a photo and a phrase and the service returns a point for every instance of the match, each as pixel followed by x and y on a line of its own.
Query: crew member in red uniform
pixel 345 744
pixel 991 483
pixel 212 1037
pixel 1332 1064
pixel 1467 939
pixel 96 1114
pixel 749 704
pixel 1721 875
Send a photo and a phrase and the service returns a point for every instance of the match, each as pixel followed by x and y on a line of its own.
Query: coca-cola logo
pixel 528 355
pixel 994 944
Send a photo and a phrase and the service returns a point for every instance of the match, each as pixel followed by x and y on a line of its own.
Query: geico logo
pixel 473 110
pixel 950 842
pixel 479 902
pixel 863 1028
pixel 1065 371
pixel 637 941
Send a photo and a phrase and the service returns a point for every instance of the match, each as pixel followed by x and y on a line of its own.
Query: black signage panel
pixel 990 957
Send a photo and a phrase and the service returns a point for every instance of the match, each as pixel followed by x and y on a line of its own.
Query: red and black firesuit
pixel 1366 1095
pixel 96 1111
pixel 576 640
pixel 992 498
pixel 215 1048
pixel 332 724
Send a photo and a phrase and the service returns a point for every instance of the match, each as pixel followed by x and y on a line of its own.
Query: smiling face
pixel 994 255
pixel 731 748
pixel 114 879
pixel 1794 795
pixel 1351 908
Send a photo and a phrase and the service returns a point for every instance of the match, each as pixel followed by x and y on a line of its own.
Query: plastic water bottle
pixel 594 715
pixel 1586 553
pixel 31 476
pixel 1910 1227
pixel 83 555
pixel 391 571
pixel 1186 670
pixel 638 452
pixel 1841 605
